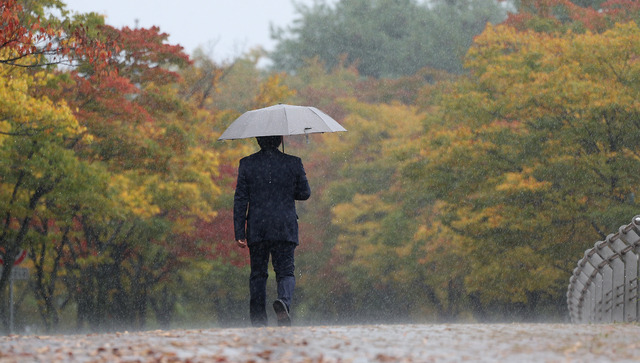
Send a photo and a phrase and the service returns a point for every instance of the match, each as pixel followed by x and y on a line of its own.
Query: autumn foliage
pixel 463 197
pixel 26 40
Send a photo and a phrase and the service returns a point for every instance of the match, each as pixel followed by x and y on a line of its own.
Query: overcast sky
pixel 228 27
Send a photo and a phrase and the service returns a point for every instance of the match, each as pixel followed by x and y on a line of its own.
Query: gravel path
pixel 356 343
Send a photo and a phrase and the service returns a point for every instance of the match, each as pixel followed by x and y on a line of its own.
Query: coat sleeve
pixel 303 191
pixel 240 203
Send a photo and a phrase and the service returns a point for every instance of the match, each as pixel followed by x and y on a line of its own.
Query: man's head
pixel 267 142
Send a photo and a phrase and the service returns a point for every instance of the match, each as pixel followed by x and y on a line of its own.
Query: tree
pixel 384 38
pixel 38 133
pixel 371 238
pixel 149 141
pixel 36 42
pixel 37 159
pixel 576 16
pixel 534 156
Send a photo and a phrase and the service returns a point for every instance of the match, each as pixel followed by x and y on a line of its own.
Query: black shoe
pixel 284 319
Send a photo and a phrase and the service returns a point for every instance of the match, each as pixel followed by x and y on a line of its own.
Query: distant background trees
pixel 385 38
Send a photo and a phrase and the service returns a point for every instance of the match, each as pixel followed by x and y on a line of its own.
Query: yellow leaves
pixel 189 187
pixel 273 91
pixel 5 127
pixel 359 219
pixel 522 182
pixel 531 74
pixel 360 238
pixel 134 196
pixel 190 199
pixel 513 274
pixel 381 122
pixel 476 221
pixel 436 240
pixel 405 250
pixel 204 160
pixel 382 133
pixel 24 114
pixel 182 225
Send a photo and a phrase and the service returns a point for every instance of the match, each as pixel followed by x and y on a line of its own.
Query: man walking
pixel 265 221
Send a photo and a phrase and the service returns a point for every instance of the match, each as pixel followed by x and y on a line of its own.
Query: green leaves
pixel 534 147
pixel 384 38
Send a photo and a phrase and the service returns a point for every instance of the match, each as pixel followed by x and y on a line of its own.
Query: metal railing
pixel 604 286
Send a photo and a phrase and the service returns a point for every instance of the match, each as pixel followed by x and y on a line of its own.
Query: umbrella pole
pixel 283 144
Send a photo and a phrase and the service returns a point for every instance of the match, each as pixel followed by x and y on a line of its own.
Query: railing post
pixel 622 283
pixel 606 254
pixel 631 239
pixel 595 260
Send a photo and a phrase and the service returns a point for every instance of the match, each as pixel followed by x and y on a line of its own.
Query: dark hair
pixel 266 142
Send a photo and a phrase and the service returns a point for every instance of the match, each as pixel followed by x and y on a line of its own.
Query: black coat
pixel 269 183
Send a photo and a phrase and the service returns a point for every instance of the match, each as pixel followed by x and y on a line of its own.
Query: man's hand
pixel 242 243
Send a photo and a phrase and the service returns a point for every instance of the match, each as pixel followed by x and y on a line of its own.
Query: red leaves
pixel 35 44
pixel 623 10
pixel 142 54
pixel 214 240
pixel 13 34
pixel 596 20
pixel 113 76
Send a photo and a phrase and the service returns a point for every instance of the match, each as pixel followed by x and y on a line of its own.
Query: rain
pixel 472 169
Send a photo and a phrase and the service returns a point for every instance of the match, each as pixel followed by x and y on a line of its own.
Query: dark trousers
pixel 283 264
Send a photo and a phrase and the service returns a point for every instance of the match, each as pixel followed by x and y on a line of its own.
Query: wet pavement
pixel 354 343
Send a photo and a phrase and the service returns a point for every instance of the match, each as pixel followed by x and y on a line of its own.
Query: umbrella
pixel 281 120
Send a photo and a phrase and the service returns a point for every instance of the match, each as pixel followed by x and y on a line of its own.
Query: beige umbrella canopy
pixel 282 120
